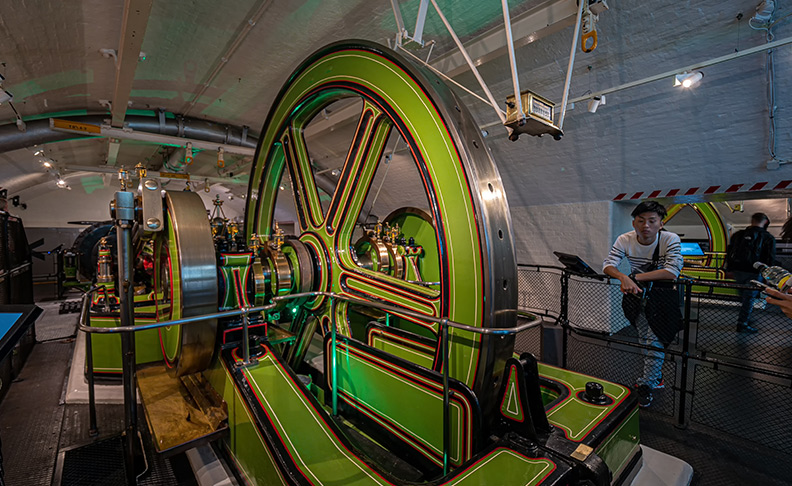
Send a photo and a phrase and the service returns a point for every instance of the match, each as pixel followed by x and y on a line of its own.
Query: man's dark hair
pixel 649 207
pixel 758 218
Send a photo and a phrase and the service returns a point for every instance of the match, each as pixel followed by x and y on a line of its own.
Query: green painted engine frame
pixel 274 415
pixel 281 432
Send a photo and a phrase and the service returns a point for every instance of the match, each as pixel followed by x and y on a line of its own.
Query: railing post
pixel 446 396
pixel 683 391
pixel 333 357
pixel 563 317
pixel 93 430
pixel 124 218
pixel 245 338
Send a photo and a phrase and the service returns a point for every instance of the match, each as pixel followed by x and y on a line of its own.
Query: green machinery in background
pixel 344 377
pixel 708 266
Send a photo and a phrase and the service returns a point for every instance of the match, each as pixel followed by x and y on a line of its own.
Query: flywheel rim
pixel 192 281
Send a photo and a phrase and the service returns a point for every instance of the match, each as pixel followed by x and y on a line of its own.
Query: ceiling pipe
pixel 38 131
pixel 157 175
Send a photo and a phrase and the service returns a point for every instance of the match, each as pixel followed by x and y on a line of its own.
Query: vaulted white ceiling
pixel 220 63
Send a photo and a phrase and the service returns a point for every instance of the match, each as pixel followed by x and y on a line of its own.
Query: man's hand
pixel 628 286
pixel 782 300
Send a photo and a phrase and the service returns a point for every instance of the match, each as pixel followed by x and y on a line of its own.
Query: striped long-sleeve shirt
pixel 640 256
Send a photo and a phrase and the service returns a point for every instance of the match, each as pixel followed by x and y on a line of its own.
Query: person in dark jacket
pixel 746 247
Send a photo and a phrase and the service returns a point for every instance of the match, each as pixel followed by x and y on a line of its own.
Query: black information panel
pixel 576 266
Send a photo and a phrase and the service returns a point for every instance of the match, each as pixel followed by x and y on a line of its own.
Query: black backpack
pixel 744 249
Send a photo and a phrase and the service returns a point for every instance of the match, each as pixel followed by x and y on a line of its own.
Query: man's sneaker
pixel 660 385
pixel 745 328
pixel 644 395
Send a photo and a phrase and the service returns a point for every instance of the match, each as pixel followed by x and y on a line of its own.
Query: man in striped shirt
pixel 653 255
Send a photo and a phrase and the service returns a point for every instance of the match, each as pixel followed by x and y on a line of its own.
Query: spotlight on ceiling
pixel 38 152
pixel 335 172
pixel 47 164
pixel 595 103
pixel 688 80
pixel 5 96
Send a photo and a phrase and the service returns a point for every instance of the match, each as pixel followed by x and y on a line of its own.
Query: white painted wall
pixel 584 229
pixel 89 200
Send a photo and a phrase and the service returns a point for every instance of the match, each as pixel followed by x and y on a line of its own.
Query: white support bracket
pixel 501 114
pixel 512 58
pixel 420 21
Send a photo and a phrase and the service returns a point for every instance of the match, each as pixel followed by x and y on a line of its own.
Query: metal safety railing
pixel 713 368
pixel 244 312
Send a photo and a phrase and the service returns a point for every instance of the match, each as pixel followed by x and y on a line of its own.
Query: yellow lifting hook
pixel 591 11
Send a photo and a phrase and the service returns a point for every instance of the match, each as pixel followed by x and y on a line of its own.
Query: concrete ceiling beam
pixel 133 30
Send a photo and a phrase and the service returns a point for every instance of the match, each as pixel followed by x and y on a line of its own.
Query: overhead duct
pixel 38 131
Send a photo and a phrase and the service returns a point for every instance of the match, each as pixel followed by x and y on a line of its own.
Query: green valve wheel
pixel 470 224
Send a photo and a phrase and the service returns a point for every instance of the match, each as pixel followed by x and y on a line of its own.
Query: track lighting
pixel 688 79
pixel 5 96
pixel 61 182
pixel 47 164
pixel 108 53
pixel 38 152
pixel 595 103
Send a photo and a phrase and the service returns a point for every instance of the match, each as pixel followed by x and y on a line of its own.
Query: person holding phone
pixel 782 300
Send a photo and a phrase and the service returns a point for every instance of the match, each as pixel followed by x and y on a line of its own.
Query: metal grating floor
pixel 35 424
pixel 30 416
pixel 52 325
pixel 100 463
pixel 717 460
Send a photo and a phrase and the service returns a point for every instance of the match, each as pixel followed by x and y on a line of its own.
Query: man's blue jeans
pixel 653 358
pixel 746 295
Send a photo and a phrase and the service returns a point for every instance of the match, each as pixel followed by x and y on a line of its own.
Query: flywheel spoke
pixel 361 163
pixel 303 182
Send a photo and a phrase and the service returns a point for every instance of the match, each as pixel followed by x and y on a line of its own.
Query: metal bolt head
pixel 153 223
pixel 151 185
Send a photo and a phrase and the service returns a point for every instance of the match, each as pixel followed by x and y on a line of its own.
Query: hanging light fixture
pixel 595 103
pixel 688 79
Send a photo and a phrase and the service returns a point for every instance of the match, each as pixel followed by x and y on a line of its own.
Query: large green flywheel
pixel 469 213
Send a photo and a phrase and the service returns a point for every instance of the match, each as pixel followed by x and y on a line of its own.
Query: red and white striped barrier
pixel 702 191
